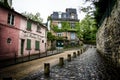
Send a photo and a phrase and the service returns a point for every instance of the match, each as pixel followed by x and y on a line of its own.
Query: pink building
pixel 32 38
pixel 19 36
pixel 9 33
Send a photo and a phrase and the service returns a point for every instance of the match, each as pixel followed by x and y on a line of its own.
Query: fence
pixel 16 60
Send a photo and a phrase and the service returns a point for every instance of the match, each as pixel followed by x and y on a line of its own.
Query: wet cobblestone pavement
pixel 87 66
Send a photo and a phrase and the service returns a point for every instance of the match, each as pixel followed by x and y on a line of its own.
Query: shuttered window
pixel 28 25
pixel 37 45
pixel 28 44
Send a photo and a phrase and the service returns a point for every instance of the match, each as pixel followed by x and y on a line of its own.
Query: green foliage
pixel 100 6
pixel 56 29
pixel 35 17
pixel 87 28
pixel 102 9
pixel 65 27
pixel 50 37
pixel 59 38
pixel 5 4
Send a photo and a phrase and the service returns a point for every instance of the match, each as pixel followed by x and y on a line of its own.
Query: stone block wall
pixel 108 35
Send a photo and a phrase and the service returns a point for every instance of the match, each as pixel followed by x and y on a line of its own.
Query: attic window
pixel 72 15
pixel 64 15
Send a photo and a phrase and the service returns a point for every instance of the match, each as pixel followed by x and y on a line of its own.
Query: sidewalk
pixel 19 71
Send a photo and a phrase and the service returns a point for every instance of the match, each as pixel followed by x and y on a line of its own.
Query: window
pixel 64 15
pixel 59 34
pixel 72 35
pixel 38 29
pixel 37 45
pixel 9 40
pixel 59 14
pixel 28 44
pixel 72 16
pixel 28 25
pixel 59 25
pixel 42 41
pixel 10 19
pixel 72 25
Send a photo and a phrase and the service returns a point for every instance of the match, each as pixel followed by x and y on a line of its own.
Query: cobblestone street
pixel 87 66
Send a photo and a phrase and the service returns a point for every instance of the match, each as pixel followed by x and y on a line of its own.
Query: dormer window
pixel 72 16
pixel 10 19
pixel 59 14
pixel 64 15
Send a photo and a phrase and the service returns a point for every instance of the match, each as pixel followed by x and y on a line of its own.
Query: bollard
pixel 69 57
pixel 47 69
pixel 7 78
pixel 78 53
pixel 81 51
pixel 61 61
pixel 74 55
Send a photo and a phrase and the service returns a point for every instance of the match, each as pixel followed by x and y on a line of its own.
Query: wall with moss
pixel 108 35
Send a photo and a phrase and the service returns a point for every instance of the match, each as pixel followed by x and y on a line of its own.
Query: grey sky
pixel 46 7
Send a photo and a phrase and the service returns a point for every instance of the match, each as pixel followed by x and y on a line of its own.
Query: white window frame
pixel 59 34
pixel 11 19
pixel 59 25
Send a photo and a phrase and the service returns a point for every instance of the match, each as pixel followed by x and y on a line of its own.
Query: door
pixel 22 46
pixel 59 43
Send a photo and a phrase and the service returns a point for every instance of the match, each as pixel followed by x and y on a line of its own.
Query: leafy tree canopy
pixel 100 8
pixel 50 37
pixel 87 28
pixel 35 17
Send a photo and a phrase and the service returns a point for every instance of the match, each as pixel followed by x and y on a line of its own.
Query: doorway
pixel 22 46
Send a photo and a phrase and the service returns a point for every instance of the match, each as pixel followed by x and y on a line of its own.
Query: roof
pixel 12 10
pixel 66 16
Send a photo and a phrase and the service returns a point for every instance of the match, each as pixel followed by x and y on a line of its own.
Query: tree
pixel 102 9
pixel 35 17
pixel 50 37
pixel 87 28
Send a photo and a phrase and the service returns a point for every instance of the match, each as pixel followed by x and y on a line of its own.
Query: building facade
pixel 63 26
pixel 9 33
pixel 20 36
pixel 32 37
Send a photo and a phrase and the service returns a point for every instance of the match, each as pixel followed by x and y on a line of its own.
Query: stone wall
pixel 108 35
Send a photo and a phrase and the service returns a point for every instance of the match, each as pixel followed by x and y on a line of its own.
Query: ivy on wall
pixel 65 27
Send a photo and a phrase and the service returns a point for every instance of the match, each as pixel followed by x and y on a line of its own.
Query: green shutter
pixel 28 44
pixel 37 45
pixel 28 25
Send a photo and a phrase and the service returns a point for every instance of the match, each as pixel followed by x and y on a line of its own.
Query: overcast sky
pixel 46 7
